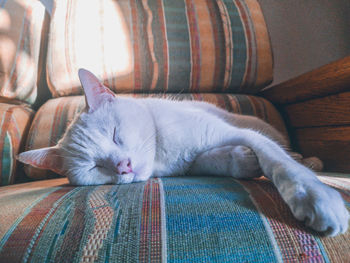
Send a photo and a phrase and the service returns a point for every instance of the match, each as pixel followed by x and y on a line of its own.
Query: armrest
pixel 329 79
pixel 316 109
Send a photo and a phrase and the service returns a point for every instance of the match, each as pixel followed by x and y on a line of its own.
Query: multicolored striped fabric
pixel 54 116
pixel 21 27
pixel 174 219
pixel 14 125
pixel 160 46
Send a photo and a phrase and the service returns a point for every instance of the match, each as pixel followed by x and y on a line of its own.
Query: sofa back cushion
pixel 14 126
pixel 160 46
pixel 21 25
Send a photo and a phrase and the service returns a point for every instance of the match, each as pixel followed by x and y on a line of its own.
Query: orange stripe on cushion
pixel 264 51
pixel 228 44
pixel 207 46
pixel 150 38
pixel 22 235
pixel 195 46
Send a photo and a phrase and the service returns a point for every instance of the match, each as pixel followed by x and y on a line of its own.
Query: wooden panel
pixel 330 79
pixel 331 110
pixel 330 144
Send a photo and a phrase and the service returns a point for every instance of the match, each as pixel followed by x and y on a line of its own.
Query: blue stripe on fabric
pixel 117 225
pixel 7 162
pixel 239 45
pixel 322 250
pixel 64 227
pixel 179 45
pixel 202 198
pixel 54 241
pixel 215 226
pixel 212 223
pixel 245 105
pixel 108 253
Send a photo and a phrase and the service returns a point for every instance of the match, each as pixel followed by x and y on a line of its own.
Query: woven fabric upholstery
pixel 180 219
pixel 160 45
pixel 21 25
pixel 14 126
pixel 54 116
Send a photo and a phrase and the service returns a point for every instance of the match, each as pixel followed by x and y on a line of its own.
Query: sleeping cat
pixel 119 140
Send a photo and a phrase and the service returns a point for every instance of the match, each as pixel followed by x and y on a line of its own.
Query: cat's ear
pixel 45 158
pixel 95 93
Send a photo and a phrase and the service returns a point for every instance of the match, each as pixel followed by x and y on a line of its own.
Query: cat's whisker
pixel 151 137
pixel 79 144
pixel 148 148
pixel 147 140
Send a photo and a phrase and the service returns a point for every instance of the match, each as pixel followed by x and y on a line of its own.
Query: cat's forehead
pixel 118 118
pixel 104 114
pixel 89 136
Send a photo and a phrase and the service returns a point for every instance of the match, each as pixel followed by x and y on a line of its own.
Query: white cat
pixel 122 140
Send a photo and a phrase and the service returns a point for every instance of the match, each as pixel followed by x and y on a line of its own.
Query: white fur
pixel 192 137
pixel 169 138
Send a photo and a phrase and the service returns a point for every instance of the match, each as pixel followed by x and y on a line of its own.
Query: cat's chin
pixel 124 179
pixel 141 177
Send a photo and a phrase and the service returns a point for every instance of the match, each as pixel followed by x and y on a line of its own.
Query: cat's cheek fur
pixel 123 179
pixel 142 176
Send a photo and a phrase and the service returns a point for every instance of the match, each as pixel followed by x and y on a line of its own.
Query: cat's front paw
pixel 319 206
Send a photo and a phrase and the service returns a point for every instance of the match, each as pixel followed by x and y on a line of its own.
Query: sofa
pixel 215 51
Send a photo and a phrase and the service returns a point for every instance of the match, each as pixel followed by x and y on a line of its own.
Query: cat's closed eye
pixel 96 166
pixel 116 139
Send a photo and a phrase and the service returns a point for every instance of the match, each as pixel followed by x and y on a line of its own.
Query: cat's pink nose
pixel 124 167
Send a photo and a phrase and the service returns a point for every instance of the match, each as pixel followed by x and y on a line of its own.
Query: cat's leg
pixel 236 161
pixel 320 206
pixel 313 163
pixel 244 121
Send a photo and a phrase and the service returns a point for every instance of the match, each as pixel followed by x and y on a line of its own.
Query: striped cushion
pixel 14 124
pixel 180 219
pixel 21 26
pixel 53 117
pixel 160 45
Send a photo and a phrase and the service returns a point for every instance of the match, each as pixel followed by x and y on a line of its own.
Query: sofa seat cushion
pixel 14 126
pixel 54 116
pixel 159 46
pixel 23 28
pixel 173 219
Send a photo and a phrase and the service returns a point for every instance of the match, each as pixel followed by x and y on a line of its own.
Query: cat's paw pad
pixel 321 208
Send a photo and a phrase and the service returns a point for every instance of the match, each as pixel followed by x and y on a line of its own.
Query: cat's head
pixel 111 141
